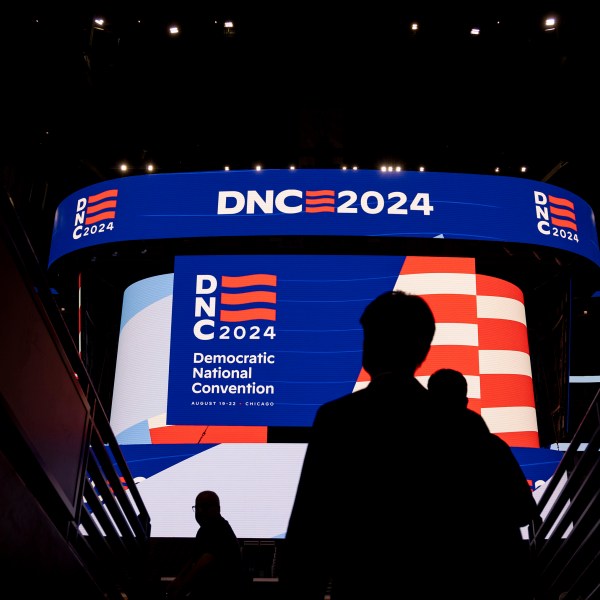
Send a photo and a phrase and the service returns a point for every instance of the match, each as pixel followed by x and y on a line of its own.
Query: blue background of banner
pixel 467 207
pixel 317 346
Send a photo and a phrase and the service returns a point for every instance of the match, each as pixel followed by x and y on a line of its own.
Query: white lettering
pixel 255 199
pixel 198 329
pixel 544 227
pixel 201 279
pixel 261 358
pixel 541 212
pixel 210 309
pixel 281 205
pixel 239 203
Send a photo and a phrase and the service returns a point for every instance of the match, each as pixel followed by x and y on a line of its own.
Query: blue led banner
pixel 325 203
pixel 265 340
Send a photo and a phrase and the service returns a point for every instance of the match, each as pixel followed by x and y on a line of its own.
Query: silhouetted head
pixel 207 506
pixel 449 387
pixel 398 330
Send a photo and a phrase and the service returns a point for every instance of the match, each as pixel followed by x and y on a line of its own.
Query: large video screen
pixel 217 355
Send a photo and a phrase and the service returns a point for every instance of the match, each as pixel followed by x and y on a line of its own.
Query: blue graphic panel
pixel 325 202
pixel 264 340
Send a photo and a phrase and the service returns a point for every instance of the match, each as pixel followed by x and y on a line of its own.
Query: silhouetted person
pixel 215 571
pixel 508 554
pixel 448 390
pixel 390 500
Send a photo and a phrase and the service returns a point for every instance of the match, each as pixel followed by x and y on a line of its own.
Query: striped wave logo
pixel 319 201
pixel 101 207
pixel 248 298
pixel 562 213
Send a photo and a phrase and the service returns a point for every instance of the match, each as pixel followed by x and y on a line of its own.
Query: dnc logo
pixel 556 216
pixel 95 214
pixel 241 299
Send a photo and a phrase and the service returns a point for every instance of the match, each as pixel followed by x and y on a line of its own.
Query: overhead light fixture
pixel 229 30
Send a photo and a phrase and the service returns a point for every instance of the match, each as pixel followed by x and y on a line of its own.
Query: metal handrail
pixel 565 545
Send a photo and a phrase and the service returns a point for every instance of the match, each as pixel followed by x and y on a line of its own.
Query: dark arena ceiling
pixel 488 87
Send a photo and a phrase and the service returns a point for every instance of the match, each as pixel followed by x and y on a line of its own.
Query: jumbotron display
pixel 213 355
pixel 325 203
pixel 229 346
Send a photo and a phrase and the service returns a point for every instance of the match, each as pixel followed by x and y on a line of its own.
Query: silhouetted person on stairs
pixel 391 502
pixel 215 571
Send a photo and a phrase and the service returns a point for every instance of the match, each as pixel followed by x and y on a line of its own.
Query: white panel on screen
pixel 494 307
pixel 509 419
pixel 455 334
pixel 504 361
pixel 256 484
pixel 142 369
pixel 437 283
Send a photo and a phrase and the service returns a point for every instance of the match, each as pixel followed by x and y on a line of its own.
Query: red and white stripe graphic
pixel 481 331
